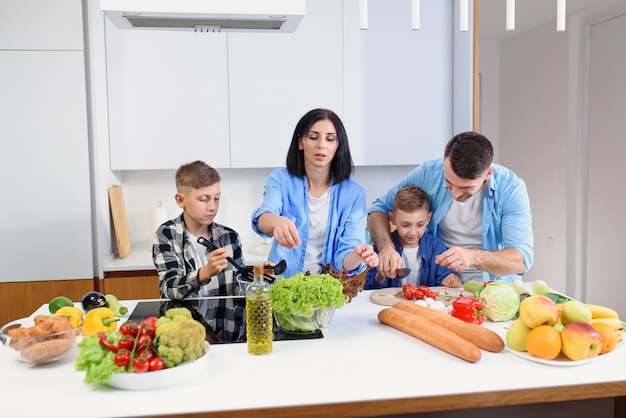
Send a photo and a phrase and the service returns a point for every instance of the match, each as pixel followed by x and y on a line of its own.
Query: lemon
pixel 58 302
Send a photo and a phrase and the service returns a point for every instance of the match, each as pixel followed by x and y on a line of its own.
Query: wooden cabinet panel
pixel 20 299
pixel 131 285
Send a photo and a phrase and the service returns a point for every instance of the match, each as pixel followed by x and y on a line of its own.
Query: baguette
pixel 430 333
pixel 482 337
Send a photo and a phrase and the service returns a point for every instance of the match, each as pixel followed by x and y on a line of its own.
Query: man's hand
pixel 456 259
pixel 389 261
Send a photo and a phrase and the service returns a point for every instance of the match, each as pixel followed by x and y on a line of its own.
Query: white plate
pixel 160 379
pixel 561 360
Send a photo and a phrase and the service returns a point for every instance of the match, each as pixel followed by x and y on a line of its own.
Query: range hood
pixel 206 15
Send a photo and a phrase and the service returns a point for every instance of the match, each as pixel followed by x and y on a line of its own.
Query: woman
pixel 313 209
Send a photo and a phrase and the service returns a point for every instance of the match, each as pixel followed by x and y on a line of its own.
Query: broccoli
pixel 180 337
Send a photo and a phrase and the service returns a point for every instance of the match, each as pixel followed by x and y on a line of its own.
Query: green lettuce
pixel 301 294
pixel 95 360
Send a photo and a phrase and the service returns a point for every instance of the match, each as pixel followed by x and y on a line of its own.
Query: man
pixel 481 211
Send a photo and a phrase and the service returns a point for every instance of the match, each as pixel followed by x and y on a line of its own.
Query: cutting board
pixel 390 295
pixel 120 224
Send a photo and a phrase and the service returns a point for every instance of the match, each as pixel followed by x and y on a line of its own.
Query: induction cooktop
pixel 224 318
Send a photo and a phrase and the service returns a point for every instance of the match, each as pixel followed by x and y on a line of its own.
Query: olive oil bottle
pixel 258 315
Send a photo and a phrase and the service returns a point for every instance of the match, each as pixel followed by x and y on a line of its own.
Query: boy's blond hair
pixel 196 175
pixel 411 198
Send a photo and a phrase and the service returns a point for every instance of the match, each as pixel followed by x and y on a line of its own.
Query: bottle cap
pixel 257 270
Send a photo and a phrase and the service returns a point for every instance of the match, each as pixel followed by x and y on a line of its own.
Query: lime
pixel 58 302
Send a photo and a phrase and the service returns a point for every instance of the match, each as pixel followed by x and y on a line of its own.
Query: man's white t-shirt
pixel 462 227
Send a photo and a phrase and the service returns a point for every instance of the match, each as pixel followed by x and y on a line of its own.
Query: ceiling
pixel 528 14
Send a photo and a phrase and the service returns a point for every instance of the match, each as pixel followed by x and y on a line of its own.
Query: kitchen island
pixel 360 368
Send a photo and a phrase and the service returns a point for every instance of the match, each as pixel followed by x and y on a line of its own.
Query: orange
pixel 608 334
pixel 544 342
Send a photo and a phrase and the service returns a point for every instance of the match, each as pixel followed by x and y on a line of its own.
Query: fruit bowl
pixel 296 323
pixel 42 339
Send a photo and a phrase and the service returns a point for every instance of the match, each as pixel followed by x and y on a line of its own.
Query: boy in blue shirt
pixel 411 215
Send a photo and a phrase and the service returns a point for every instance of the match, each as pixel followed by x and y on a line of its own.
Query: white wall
pixel 533 138
pixel 537 106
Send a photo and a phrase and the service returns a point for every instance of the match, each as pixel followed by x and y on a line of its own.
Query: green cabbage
pixel 501 300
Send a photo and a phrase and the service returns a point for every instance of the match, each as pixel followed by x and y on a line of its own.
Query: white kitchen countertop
pixel 140 257
pixel 358 360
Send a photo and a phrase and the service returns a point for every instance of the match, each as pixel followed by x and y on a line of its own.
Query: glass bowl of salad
pixel 299 323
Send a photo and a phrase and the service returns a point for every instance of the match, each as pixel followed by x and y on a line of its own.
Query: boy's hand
pixel 216 262
pixel 452 280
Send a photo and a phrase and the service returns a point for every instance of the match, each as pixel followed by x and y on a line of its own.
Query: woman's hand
pixel 286 233
pixel 367 254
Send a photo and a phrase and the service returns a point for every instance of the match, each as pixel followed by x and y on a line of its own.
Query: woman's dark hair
pixel 341 167
pixel 470 154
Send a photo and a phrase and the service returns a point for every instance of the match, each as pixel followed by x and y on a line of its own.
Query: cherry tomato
pixel 141 365
pixel 144 341
pixel 126 341
pixel 147 354
pixel 156 363
pixel 408 294
pixel 129 328
pixel 122 357
pixel 419 295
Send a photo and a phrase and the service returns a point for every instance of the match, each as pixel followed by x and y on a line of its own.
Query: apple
pixel 580 341
pixel 516 335
pixel 538 310
pixel 575 311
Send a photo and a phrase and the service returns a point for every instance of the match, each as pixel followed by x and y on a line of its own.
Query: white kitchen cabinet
pixel 45 187
pixel 398 82
pixel 168 98
pixel 41 24
pixel 233 99
pixel 276 78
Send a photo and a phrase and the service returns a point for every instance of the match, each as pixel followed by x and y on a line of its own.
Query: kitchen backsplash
pixel 242 191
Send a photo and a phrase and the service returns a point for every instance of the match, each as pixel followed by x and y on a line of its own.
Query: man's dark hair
pixel 470 154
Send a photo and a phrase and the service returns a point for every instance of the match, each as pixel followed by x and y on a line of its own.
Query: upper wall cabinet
pixel 398 82
pixel 233 99
pixel 168 98
pixel 276 78
pixel 41 24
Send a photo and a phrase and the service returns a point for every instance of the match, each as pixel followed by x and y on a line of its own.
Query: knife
pixel 401 273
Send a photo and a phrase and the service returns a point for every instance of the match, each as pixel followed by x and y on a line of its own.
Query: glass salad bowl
pixel 297 323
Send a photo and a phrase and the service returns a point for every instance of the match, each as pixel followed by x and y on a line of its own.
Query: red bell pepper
pixel 468 310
